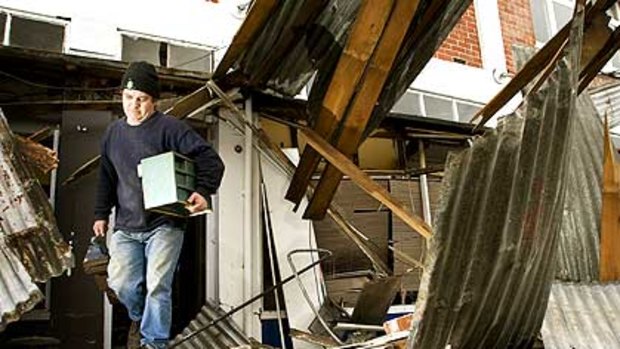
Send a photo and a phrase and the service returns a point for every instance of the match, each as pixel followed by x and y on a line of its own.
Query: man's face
pixel 137 105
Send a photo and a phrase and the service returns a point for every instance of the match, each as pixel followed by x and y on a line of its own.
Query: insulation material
pixel 490 263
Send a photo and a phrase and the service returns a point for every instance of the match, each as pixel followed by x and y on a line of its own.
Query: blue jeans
pixel 146 259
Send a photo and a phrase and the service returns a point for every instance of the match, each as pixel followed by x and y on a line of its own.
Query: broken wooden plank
pixel 37 155
pixel 250 28
pixel 343 164
pixel 287 166
pixel 609 265
pixel 364 101
pixel 364 36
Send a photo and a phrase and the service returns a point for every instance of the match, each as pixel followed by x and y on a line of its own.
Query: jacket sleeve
pixel 106 185
pixel 209 165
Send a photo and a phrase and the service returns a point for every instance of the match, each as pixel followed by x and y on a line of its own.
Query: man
pixel 145 246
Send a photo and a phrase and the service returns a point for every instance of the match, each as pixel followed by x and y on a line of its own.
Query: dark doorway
pixel 77 305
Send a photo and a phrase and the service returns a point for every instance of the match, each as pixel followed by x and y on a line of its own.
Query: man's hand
pixel 197 203
pixel 100 227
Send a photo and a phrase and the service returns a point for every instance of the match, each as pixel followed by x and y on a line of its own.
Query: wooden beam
pixel 598 59
pixel 544 56
pixel 609 264
pixel 364 36
pixel 344 165
pixel 364 102
pixel 529 71
pixel 250 29
pixel 276 154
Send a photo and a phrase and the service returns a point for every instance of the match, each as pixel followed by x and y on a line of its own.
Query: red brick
pixel 463 42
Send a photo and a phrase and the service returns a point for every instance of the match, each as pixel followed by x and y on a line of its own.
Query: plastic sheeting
pixel 490 263
pixel 582 316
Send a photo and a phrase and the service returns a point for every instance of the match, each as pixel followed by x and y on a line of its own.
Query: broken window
pixel 36 34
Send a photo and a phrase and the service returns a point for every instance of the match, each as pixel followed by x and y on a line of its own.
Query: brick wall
pixel 517 27
pixel 463 44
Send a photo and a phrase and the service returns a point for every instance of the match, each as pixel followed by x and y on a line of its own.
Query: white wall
pixel 94 23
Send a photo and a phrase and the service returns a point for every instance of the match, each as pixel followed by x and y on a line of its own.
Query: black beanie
pixel 141 76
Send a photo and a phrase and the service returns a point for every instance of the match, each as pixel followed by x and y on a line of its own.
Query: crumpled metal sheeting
pixel 224 334
pixel 26 216
pixel 584 316
pixel 18 294
pixel 491 260
pixel 315 49
pixel 578 246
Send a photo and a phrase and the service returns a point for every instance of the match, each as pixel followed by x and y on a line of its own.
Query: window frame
pixel 10 13
pixel 168 41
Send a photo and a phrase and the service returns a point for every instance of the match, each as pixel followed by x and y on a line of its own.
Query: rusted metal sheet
pixel 37 155
pixel 578 244
pixel 224 334
pixel 26 216
pixel 18 294
pixel 490 263
pixel 582 316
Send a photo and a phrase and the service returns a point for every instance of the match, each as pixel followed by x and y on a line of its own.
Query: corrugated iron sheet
pixel 490 263
pixel 18 294
pixel 224 334
pixel 584 316
pixel 26 217
pixel 607 100
pixel 578 246
pixel 315 47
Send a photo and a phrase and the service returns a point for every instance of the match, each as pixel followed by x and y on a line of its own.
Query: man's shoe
pixel 133 336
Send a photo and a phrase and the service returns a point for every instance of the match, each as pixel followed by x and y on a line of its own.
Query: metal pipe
pixel 305 293
pixel 426 202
